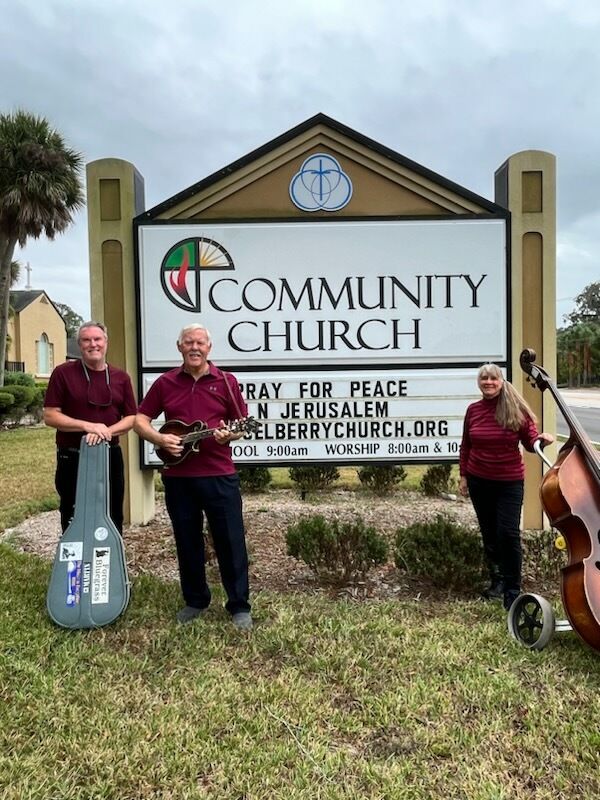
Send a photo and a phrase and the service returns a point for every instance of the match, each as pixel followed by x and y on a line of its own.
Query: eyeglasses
pixel 98 394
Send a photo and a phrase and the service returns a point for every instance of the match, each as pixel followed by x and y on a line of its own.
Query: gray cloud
pixel 182 89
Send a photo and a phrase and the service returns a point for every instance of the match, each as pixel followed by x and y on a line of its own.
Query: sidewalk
pixel 582 398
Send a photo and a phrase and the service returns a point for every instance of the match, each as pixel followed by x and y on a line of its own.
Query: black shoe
pixel 189 613
pixel 495 591
pixel 510 595
pixel 242 620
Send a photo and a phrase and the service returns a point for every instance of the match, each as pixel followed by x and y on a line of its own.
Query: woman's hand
pixel 546 438
pixel 462 487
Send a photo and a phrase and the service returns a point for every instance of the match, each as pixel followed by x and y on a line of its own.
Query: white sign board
pixel 353 341
pixel 347 417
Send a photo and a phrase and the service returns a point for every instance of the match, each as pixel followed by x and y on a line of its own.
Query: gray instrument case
pixel 89 586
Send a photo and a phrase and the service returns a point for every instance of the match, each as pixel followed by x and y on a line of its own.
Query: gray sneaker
pixel 189 613
pixel 242 620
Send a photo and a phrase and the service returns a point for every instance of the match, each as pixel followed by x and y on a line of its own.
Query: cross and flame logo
pixel 182 267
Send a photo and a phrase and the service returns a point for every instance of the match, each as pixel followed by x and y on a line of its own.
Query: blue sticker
pixel 73 582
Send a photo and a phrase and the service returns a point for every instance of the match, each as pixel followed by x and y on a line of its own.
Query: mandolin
pixel 191 435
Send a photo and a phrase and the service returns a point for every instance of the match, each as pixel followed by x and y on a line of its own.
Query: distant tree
pixel 578 351
pixel 15 272
pixel 40 188
pixel 587 305
pixel 71 318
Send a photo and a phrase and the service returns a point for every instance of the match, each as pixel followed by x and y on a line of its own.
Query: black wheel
pixel 531 621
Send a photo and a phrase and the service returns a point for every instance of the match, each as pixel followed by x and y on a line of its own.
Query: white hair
pixel 92 324
pixel 194 326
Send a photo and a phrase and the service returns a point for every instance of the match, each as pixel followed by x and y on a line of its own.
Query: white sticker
pixel 100 575
pixel 71 551
pixel 101 533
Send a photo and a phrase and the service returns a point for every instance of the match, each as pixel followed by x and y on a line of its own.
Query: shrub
pixel 446 553
pixel 254 479
pixel 337 549
pixel 35 408
pixel 311 478
pixel 381 479
pixel 6 402
pixel 18 379
pixel 23 396
pixel 436 479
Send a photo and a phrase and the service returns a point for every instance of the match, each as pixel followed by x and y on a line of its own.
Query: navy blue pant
pixel 65 480
pixel 498 505
pixel 219 498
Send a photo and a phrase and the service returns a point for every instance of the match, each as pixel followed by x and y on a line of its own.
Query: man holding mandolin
pixel 199 475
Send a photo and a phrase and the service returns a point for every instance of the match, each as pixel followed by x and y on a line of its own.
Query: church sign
pixel 355 340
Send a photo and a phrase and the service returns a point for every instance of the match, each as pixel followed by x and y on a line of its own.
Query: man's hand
pixel 97 432
pixel 171 443
pixel 462 487
pixel 223 435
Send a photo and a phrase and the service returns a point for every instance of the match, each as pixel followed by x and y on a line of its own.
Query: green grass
pixel 334 700
pixel 324 699
pixel 348 478
pixel 27 462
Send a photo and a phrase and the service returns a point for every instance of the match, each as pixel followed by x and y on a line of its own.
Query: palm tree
pixel 40 188
pixel 15 273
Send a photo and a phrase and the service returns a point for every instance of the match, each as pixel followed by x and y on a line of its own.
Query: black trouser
pixel 498 508
pixel 67 463
pixel 220 499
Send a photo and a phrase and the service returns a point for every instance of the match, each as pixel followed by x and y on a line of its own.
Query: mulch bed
pixel 150 548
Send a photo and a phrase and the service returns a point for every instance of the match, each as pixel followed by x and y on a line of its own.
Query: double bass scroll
pixel 570 496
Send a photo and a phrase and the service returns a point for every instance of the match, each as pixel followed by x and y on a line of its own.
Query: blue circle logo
pixel 320 185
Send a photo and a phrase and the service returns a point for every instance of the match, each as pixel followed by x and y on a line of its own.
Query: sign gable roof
pixel 436 193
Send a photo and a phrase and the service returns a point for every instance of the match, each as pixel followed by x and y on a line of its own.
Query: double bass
pixel 570 495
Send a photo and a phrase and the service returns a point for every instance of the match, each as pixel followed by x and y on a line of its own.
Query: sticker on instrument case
pixel 71 551
pixel 101 533
pixel 100 575
pixel 73 582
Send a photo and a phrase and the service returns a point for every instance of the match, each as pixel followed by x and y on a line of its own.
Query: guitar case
pixel 89 586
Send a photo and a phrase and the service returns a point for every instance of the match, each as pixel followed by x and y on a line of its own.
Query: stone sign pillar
pixel 115 195
pixel 526 185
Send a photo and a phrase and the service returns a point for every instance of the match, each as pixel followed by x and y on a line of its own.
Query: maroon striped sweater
pixel 489 451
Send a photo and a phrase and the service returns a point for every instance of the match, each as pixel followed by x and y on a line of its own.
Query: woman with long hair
pixel 492 473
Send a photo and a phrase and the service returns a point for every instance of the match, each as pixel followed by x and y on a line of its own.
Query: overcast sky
pixel 183 88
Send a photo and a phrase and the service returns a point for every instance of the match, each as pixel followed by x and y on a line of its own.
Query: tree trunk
pixel 7 249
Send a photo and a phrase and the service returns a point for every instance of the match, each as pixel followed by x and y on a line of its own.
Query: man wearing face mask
pixel 89 397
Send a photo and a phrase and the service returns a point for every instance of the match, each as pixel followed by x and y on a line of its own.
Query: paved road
pixel 585 405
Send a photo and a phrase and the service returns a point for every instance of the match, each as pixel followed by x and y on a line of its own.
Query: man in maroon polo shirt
pixel 90 397
pixel 204 481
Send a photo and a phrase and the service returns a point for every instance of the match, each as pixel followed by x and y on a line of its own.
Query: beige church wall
pixel 38 318
pixel 12 344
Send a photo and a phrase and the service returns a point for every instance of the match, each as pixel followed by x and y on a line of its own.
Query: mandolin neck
pixel 195 436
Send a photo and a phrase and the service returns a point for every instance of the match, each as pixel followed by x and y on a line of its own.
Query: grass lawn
pixel 324 699
pixel 27 461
